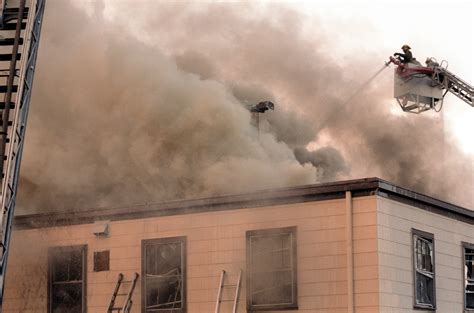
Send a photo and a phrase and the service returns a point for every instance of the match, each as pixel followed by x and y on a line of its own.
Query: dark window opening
pixel 425 292
pixel 469 276
pixel 164 275
pixel 67 273
pixel 101 261
pixel 271 269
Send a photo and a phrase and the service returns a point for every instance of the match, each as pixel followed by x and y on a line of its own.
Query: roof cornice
pixel 306 193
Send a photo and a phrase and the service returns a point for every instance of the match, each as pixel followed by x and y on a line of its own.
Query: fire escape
pixel 20 26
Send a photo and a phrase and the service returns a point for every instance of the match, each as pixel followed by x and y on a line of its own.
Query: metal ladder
pixel 455 85
pixel 20 28
pixel 127 305
pixel 223 285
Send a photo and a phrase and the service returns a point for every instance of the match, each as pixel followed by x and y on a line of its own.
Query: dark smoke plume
pixel 329 160
pixel 120 118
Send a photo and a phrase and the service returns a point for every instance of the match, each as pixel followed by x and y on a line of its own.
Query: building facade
pixel 354 246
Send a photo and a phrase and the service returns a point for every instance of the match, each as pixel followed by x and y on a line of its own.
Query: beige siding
pixel 215 241
pixel 395 221
pixel 365 255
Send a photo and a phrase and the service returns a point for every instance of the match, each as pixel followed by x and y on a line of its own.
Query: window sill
pixel 419 307
pixel 273 308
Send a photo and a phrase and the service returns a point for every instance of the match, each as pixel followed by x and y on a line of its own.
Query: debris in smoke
pixel 262 106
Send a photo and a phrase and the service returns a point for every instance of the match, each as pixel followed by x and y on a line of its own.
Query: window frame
pixel 272 231
pixel 166 240
pixel 465 245
pixel 428 237
pixel 83 249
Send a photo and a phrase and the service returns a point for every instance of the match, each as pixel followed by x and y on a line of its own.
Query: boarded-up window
pixel 468 276
pixel 67 274
pixel 164 266
pixel 271 269
pixel 101 261
pixel 425 292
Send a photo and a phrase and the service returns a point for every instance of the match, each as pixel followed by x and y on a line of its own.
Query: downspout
pixel 349 253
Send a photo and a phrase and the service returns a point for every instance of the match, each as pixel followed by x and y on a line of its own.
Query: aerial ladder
pixel 421 88
pixel 20 27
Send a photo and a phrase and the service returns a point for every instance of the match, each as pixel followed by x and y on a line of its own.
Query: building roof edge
pixel 305 193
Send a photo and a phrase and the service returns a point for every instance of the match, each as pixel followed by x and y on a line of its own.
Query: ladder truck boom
pixel 20 27
pixel 421 88
pixel 454 84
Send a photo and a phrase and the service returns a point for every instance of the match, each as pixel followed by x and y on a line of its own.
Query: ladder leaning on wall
pixel 127 303
pixel 225 285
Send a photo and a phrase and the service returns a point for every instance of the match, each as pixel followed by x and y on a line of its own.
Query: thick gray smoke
pixel 115 122
pixel 118 120
pixel 329 160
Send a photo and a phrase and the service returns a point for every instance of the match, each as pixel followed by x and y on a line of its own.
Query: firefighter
pixel 430 62
pixel 406 56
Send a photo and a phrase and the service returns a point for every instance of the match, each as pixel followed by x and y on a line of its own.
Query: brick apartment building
pixel 353 246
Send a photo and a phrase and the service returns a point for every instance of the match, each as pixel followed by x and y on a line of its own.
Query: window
pixel 271 269
pixel 468 276
pixel 67 275
pixel 423 260
pixel 163 270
